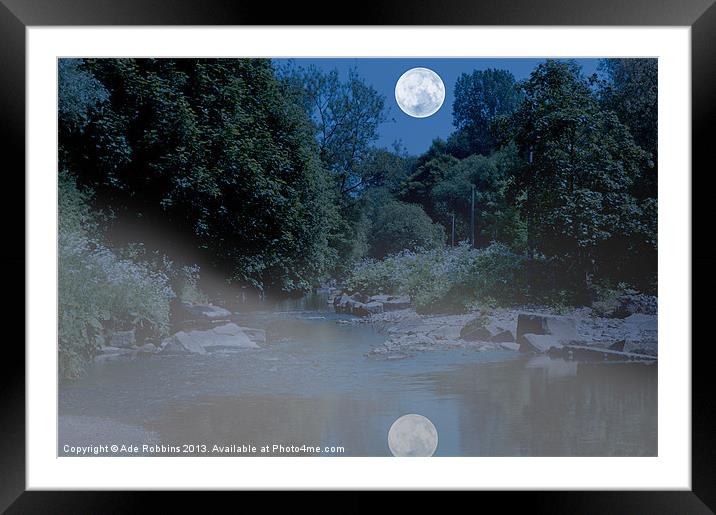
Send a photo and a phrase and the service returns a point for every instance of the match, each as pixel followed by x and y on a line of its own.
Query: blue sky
pixel 416 134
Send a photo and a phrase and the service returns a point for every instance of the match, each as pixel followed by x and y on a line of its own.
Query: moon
pixel 412 435
pixel 420 92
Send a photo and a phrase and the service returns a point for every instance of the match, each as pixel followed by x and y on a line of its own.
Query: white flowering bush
pixel 448 279
pixel 99 290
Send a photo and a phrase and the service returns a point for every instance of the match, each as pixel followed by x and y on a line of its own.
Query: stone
pixel 187 341
pixel 477 330
pixel 380 298
pixel 205 311
pixel 123 339
pixel 619 345
pixel 504 336
pixel 445 332
pixel 591 353
pixel 364 310
pixel 147 348
pixel 396 303
pixel 561 327
pixel 510 346
pixel 200 342
pixel 229 329
pixel 539 343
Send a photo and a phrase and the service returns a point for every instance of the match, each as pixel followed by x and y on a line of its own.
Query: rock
pixel 633 303
pixel 123 339
pixel 364 310
pixel 396 303
pixel 539 343
pixel 255 335
pixel 360 297
pixel 228 336
pixel 114 353
pixel 205 311
pixel 445 332
pixel 619 345
pixel 591 353
pixel 562 328
pixel 229 329
pixel 147 348
pixel 627 304
pixel 380 298
pixel 505 336
pixel 185 341
pixel 476 330
pixel 510 346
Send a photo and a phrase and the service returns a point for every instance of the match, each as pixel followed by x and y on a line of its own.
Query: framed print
pixel 449 249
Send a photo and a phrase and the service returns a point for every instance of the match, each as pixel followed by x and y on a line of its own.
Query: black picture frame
pixel 17 15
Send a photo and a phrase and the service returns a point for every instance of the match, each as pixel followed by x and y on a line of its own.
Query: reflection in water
pixel 313 384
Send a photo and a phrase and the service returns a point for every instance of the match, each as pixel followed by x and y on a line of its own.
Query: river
pixel 313 385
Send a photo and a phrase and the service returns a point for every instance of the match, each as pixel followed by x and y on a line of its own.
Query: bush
pixel 99 290
pixel 457 279
pixel 399 226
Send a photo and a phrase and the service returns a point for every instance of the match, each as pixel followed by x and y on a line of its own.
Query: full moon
pixel 412 435
pixel 420 92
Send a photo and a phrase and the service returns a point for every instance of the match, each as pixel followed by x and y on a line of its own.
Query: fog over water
pixel 313 385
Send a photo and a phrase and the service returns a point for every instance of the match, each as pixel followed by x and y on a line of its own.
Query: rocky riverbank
pixel 581 334
pixel 205 329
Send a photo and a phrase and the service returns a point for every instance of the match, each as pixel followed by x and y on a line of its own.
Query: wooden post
pixel 452 233
pixel 472 216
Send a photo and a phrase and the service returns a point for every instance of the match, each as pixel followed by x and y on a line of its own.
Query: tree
pixel 481 98
pixel 631 91
pixel 581 163
pixel 497 218
pixel 208 161
pixel 346 115
pixel 397 226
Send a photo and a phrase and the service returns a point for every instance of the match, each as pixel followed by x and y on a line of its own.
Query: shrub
pixel 457 279
pixel 99 290
pixel 399 226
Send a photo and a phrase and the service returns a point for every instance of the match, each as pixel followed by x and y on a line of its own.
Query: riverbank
pixel 580 332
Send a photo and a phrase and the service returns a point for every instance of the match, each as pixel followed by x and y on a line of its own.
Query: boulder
pixel 505 336
pixel 205 311
pixel 510 346
pixel 445 332
pixel 562 328
pixel 123 339
pixel 380 298
pixel 147 348
pixel 591 353
pixel 396 303
pixel 482 329
pixel 539 343
pixel 364 310
pixel 227 336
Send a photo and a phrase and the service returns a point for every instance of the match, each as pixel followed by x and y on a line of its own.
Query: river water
pixel 313 385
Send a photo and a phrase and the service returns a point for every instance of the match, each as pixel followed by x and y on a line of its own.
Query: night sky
pixel 416 134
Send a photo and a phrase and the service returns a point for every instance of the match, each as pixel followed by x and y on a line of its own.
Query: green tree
pixel 397 226
pixel 481 98
pixel 631 91
pixel 346 114
pixel 581 165
pixel 207 160
pixel 496 216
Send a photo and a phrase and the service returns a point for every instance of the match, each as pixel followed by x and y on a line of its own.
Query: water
pixel 314 385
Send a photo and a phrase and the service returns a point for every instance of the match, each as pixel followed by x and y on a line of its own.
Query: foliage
pixel 481 98
pixel 457 279
pixel 79 94
pixel 346 115
pixel 97 289
pixel 399 226
pixel 208 159
pixel 630 90
pixel 584 161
